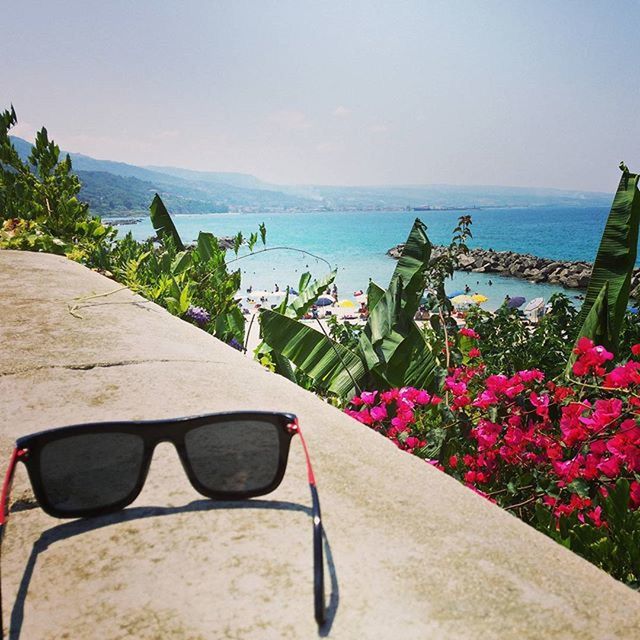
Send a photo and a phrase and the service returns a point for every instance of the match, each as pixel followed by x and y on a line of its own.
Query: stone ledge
pixel 415 553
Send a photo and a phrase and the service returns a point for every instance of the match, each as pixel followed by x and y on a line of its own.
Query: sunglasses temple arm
pixel 4 514
pixel 318 559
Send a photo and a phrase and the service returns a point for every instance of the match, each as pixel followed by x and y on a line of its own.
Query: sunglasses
pixel 94 469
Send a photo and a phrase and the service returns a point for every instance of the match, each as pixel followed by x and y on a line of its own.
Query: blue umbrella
pixel 516 302
pixel 324 301
pixel 455 293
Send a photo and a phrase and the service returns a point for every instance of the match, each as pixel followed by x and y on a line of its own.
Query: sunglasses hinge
pixel 292 427
pixel 22 453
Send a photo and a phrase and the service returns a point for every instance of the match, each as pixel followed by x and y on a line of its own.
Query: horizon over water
pixel 356 243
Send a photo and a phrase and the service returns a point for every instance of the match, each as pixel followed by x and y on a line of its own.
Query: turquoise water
pixel 356 242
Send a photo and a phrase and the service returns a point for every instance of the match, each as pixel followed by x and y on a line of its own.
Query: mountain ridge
pixel 120 188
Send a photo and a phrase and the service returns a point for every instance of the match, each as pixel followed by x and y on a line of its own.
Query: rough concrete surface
pixel 413 554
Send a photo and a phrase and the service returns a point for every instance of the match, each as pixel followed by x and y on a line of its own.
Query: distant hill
pixel 118 188
pixel 110 194
pixel 243 180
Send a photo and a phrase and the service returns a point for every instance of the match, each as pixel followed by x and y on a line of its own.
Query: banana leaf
pixel 616 257
pixel 374 293
pixel 332 366
pixel 413 363
pixel 305 279
pixel 307 297
pixel 412 265
pixel 595 327
pixel 163 224
pixel 389 337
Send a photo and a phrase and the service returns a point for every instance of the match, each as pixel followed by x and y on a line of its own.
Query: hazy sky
pixel 530 93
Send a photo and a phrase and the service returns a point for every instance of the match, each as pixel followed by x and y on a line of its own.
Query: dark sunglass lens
pixel 90 471
pixel 235 455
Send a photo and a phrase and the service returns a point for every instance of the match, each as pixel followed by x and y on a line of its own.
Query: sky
pixel 512 92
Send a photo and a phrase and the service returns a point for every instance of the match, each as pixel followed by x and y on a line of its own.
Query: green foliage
pixel 510 343
pixel 391 350
pixel 615 548
pixel 614 265
pixel 39 207
pixel 179 278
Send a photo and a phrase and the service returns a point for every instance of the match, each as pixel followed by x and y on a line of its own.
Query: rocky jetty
pixel 570 274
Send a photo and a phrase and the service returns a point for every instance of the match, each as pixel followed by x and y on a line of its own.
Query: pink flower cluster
pixel 591 358
pixel 562 445
pixel 393 413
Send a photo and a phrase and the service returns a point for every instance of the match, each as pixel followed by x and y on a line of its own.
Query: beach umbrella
pixel 324 301
pixel 455 294
pixel 361 297
pixel 346 303
pixel 462 299
pixel 516 302
pixel 533 305
pixel 479 298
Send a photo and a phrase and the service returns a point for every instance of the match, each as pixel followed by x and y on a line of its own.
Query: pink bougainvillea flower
pixel 368 397
pixel 470 333
pixel 474 353
pixel 389 396
pixel 635 349
pixel 610 467
pixel 378 413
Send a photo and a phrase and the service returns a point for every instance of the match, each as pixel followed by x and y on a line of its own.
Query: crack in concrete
pixel 88 366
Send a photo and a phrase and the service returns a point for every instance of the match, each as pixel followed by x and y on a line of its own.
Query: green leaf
pixel 413 362
pixel 328 363
pixel 163 224
pixel 616 256
pixel 307 297
pixel 263 232
pixel 237 242
pixel 412 266
pixel 305 279
pixel 181 263
pixel 207 246
pixel 374 293
pixel 283 366
pixel 184 300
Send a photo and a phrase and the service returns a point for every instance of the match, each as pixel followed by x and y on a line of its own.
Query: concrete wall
pixel 414 553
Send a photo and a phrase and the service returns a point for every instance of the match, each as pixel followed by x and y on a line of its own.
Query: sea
pixel 355 243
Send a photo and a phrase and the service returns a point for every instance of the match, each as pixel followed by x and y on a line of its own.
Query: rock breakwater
pixel 569 274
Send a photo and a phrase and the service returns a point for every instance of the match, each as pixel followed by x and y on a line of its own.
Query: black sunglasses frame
pixel 153 432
